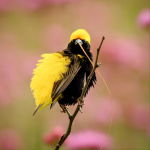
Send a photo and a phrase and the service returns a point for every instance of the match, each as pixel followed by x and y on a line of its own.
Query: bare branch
pixel 72 117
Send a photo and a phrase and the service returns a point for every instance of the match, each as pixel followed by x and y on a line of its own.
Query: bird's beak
pixel 77 41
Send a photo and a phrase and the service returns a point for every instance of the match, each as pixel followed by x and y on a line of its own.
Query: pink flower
pixel 88 140
pixel 4 5
pixel 32 5
pixel 53 35
pixel 58 1
pixel 29 63
pixel 143 18
pixel 126 52
pixel 54 136
pixel 26 4
pixel 10 78
pixel 10 140
pixel 105 111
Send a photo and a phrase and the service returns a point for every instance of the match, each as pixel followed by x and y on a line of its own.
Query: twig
pixel 69 114
pixel 72 117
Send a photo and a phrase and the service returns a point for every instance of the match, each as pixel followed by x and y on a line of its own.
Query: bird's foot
pixel 63 108
pixel 66 110
pixel 80 102
pixel 80 109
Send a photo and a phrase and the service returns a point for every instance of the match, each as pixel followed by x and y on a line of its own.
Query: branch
pixel 72 117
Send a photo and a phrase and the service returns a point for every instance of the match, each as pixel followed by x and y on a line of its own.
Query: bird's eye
pixel 73 41
pixel 84 41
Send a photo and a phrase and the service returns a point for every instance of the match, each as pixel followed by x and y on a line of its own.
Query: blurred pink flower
pixel 4 5
pixel 10 140
pixel 54 136
pixel 88 140
pixel 143 18
pixel 53 35
pixel 10 78
pixel 138 116
pixel 105 111
pixel 8 5
pixel 27 4
pixel 58 1
pixel 29 62
pixel 127 52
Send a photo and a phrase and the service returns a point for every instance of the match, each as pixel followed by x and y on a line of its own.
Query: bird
pixel 60 76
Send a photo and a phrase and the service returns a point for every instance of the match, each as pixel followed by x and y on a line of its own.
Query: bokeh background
pixel 29 28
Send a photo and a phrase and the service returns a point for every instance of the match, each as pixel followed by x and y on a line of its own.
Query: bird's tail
pixel 37 109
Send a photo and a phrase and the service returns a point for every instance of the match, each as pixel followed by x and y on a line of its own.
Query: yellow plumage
pixel 48 71
pixel 81 34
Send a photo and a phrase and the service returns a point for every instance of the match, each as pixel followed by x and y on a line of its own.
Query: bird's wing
pixel 49 70
pixel 62 84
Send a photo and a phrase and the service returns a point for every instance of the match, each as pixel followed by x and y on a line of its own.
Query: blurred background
pixel 29 28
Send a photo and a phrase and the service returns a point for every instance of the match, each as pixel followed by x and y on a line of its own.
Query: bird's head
pixel 79 36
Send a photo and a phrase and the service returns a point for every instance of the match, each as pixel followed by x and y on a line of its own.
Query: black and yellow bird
pixel 59 77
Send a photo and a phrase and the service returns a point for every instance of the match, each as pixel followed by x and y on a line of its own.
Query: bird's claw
pixel 63 109
pixel 80 109
pixel 80 102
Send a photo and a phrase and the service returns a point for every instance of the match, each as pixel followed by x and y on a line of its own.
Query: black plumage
pixel 70 87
